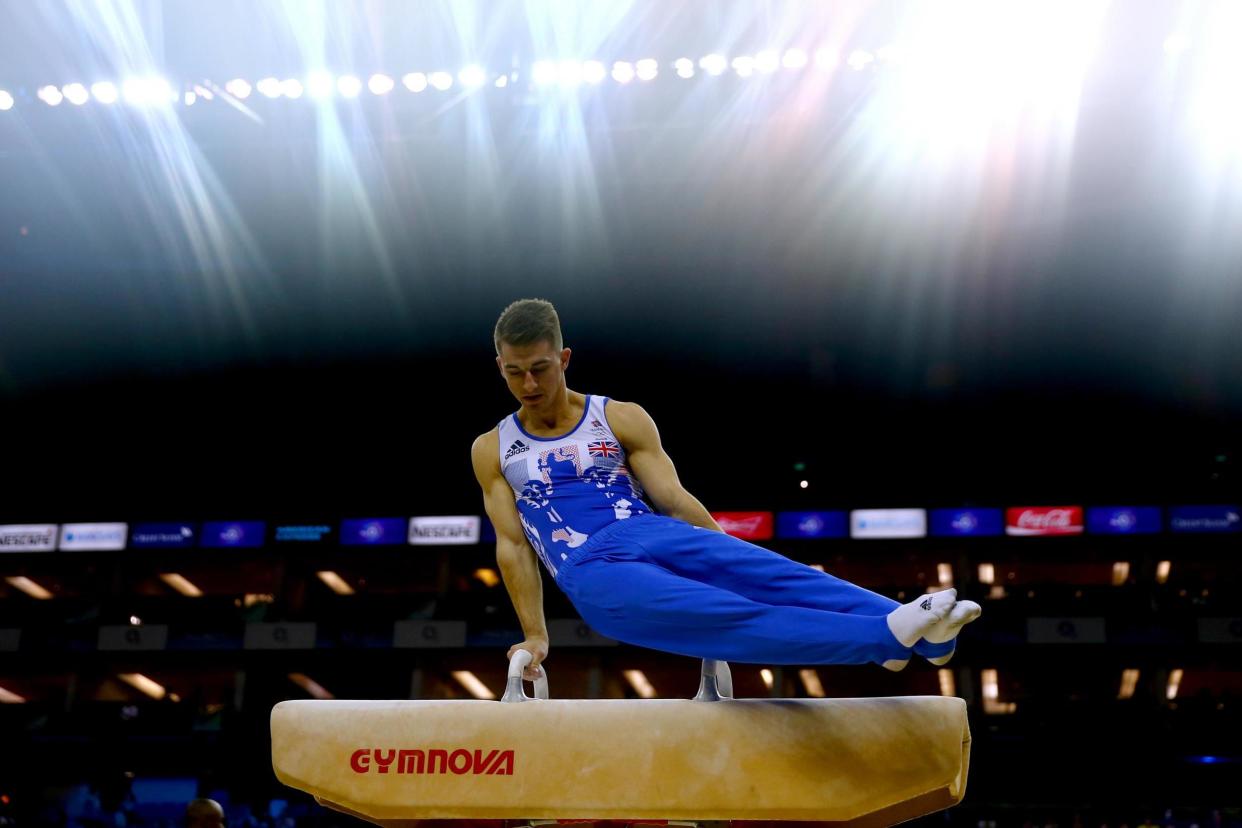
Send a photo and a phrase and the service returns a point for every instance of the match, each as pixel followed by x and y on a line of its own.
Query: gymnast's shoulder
pixel 627 418
pixel 485 452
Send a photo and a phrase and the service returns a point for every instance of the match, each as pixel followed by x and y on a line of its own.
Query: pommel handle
pixel 514 691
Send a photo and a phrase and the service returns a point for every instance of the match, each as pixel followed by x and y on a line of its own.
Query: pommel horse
pixel 753 763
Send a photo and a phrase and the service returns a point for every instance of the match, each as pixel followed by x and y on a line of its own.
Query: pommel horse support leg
pixel 848 762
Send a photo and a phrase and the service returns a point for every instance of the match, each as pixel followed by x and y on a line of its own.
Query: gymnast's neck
pixel 556 416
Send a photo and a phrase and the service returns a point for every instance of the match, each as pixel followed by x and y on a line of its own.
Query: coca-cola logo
pixel 747 525
pixel 1048 520
pixel 1052 519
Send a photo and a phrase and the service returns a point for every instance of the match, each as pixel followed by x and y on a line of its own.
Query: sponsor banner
pixel 1123 520
pixel 423 635
pixel 746 525
pixel 570 632
pixel 93 537
pixel 967 522
pixel 1211 630
pixel 439 531
pixel 233 533
pixel 1043 520
pixel 39 537
pixel 162 536
pixel 120 638
pixel 303 533
pixel 1205 519
pixel 373 531
pixel 812 525
pixel 300 636
pixel 1065 631
pixel 888 523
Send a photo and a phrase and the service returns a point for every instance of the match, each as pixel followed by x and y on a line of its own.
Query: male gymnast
pixel 569 477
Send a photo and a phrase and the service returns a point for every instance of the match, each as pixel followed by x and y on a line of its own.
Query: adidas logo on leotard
pixel 517 448
pixel 925 603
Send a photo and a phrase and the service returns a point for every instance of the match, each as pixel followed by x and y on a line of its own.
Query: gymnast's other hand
pixel 538 648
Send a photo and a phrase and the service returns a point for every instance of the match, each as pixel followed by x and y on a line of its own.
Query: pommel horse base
pixel 748 762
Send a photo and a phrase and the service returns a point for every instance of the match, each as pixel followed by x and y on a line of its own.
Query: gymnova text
pixel 460 761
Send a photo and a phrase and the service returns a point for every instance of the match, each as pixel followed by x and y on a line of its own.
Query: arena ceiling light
pixel 487 577
pixel 767 61
pixel 145 685
pixel 1175 682
pixel 827 58
pixel 623 71
pixel 311 687
pixel 744 65
pixel 1129 681
pixel 380 84
pixel 767 677
pixel 148 92
pixel 569 73
pixel 684 68
pixel 319 85
pixel 991 693
pixel 181 584
pixel 1162 571
pixel 335 582
pixel 472 684
pixel 948 687
pixel 794 59
pixel 593 72
pixel 26 585
pixel 543 73
pixel 6 101
pixel 638 680
pixel 442 81
pixel 349 86
pixel 75 93
pixel 713 64
pixel 9 697
pixel 415 81
pixel 50 95
pixel 291 88
pixel 860 59
pixel 472 76
pixel 238 88
pixel 810 681
pixel 269 87
pixel 647 69
pixel 944 574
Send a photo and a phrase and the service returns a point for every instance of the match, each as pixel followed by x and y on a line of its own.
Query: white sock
pixel 896 664
pixel 962 613
pixel 910 622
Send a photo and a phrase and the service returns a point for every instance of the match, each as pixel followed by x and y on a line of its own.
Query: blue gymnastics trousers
pixel 658 582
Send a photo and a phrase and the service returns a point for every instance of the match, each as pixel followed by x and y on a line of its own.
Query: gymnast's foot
pixel 910 622
pixel 961 614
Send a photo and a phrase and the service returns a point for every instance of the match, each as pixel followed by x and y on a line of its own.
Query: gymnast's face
pixel 535 373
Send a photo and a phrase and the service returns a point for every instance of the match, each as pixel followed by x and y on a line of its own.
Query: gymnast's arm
pixel 652 466
pixel 517 561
